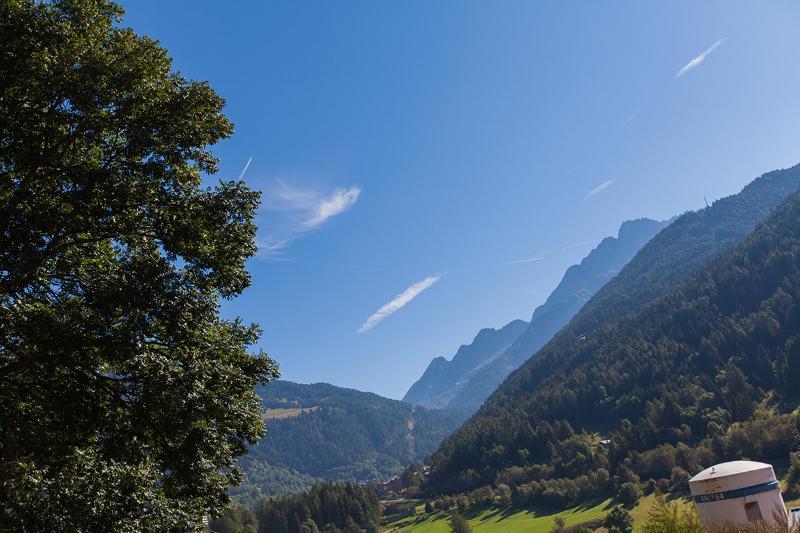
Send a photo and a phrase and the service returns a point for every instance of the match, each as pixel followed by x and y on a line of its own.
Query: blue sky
pixel 432 168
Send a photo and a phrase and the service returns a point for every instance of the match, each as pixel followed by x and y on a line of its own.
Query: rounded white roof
pixel 730 469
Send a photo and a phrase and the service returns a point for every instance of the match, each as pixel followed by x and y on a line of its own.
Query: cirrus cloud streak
pixel 289 212
pixel 695 62
pixel 398 302
pixel 600 188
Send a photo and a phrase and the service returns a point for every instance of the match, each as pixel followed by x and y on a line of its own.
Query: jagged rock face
pixel 443 379
pixel 478 368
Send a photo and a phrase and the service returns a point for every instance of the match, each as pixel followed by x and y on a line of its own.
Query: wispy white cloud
pixel 600 188
pixel 520 261
pixel 289 212
pixel 398 302
pixel 340 201
pixel 694 63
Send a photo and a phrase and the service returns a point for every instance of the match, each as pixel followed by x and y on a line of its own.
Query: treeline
pixel 706 373
pixel 264 480
pixel 329 507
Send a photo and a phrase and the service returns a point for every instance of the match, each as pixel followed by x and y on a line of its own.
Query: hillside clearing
pixel 291 412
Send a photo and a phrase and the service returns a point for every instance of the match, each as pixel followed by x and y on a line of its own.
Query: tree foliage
pixel 619 520
pixel 124 397
pixel 325 507
pixel 629 493
pixel 793 476
pixel 459 524
pixel 670 517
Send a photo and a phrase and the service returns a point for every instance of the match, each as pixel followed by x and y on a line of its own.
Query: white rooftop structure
pixel 738 492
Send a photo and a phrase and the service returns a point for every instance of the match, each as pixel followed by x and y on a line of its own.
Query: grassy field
pixel 494 520
pixel 497 520
pixel 278 414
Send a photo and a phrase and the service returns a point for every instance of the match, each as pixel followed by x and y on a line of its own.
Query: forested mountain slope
pixel 579 284
pixel 443 379
pixel 669 258
pixel 667 352
pixel 320 431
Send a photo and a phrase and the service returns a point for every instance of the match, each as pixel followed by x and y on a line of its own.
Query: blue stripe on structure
pixel 737 493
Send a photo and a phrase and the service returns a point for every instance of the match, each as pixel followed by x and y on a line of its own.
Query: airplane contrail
pixel 246 166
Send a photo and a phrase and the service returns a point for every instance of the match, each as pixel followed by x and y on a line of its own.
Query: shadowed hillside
pixel 322 432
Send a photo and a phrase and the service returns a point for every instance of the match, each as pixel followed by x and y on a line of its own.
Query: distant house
pixel 390 485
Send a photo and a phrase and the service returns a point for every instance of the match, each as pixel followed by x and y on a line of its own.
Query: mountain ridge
pixel 693 239
pixel 441 379
pixel 469 387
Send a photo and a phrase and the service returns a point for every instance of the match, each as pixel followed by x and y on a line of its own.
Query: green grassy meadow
pixel 497 520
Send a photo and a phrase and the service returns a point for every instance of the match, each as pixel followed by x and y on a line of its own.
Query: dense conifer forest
pixel 328 507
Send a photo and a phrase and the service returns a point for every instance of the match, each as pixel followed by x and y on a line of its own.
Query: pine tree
pixel 619 520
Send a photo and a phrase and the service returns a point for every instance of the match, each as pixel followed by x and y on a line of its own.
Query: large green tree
pixel 124 397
